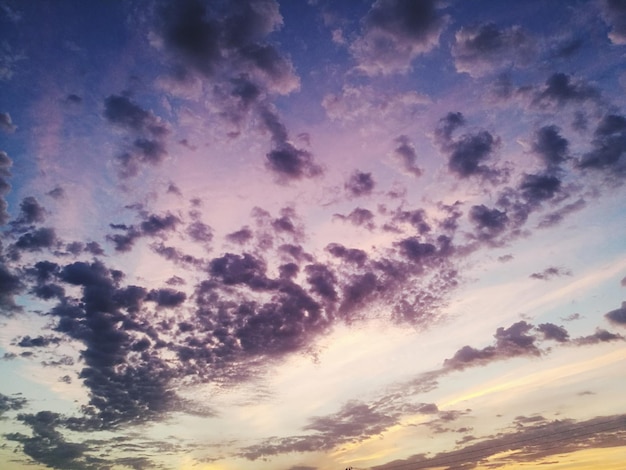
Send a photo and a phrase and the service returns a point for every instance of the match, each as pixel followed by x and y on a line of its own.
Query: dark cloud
pixel 617 316
pixel 550 146
pixel 240 236
pixel 554 218
pixel 322 281
pixel 608 145
pixel 489 222
pixel 359 184
pixel 37 239
pixel 38 341
pixel 31 212
pixel 530 440
pixel 567 48
pixel 614 13
pixel 8 403
pixel 285 160
pixel 561 89
pixel 10 286
pixel 147 131
pixel 121 111
pixel 6 124
pixel 554 332
pixel 5 187
pixel 537 188
pixel 166 297
pixel 416 218
pixel 446 126
pixel 406 155
pixel 394 33
pixel 56 193
pixel 48 446
pixel 415 250
pixel 350 255
pixel 600 336
pixel 355 422
pixel 200 232
pixel 510 342
pixel 155 224
pixel 551 272
pixel 468 153
pixel 485 48
pixel 359 217
pixel 193 36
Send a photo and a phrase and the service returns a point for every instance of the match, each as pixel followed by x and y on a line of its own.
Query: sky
pixel 309 235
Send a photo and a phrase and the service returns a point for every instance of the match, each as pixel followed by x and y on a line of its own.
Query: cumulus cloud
pixel 614 13
pixel 551 272
pixel 6 124
pixel 486 48
pixel 468 154
pixel 147 133
pixel 5 187
pixel 617 316
pixel 550 146
pixel 406 155
pixel 608 146
pixel 359 184
pixel 286 160
pixel 394 33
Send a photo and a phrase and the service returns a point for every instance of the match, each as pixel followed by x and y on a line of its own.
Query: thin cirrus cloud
pixel 225 259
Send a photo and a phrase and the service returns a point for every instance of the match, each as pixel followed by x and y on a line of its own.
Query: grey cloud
pixel 529 441
pixel 486 48
pixel 537 188
pixel 617 316
pixel 166 297
pixel 600 336
pixel 8 403
pixel 38 341
pixel 240 236
pixel 406 155
pixel 395 32
pixel 57 193
pixel 355 422
pixel 147 131
pixel 285 160
pixel 359 217
pixel 561 89
pixel 5 187
pixel 350 255
pixel 550 146
pixel 415 250
pixel 359 184
pixel 6 124
pixel 467 153
pixel 510 342
pixel 554 332
pixel 200 232
pixel 489 222
pixel 555 217
pixel 551 272
pixel 31 211
pixel 614 13
pixel 608 145
pixel 37 239
pixel 48 446
pixel 322 280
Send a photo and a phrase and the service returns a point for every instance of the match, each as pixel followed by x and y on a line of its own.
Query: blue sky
pixel 309 235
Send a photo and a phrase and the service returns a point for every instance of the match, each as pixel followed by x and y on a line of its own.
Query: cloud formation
pixel 394 33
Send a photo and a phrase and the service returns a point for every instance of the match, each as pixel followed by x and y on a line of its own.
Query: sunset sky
pixel 310 235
